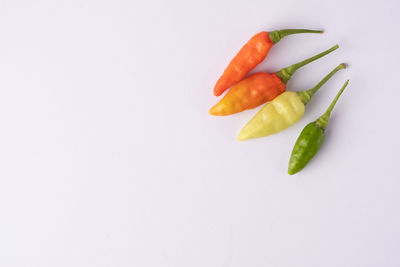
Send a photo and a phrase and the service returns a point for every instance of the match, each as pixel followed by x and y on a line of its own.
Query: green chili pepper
pixel 311 139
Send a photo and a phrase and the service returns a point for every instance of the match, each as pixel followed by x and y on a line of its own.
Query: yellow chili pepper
pixel 275 116
pixel 282 112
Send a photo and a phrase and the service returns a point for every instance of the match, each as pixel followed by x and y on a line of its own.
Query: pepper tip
pixel 211 111
pixel 240 138
pixel 216 110
pixel 217 91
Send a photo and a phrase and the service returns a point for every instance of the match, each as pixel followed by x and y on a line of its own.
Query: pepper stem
pixel 276 36
pixel 308 94
pixel 322 121
pixel 286 73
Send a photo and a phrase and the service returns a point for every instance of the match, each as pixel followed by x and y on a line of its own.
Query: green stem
pixel 324 119
pixel 276 36
pixel 308 94
pixel 286 73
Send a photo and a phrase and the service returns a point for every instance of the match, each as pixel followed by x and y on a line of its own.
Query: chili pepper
pixel 311 139
pixel 282 112
pixel 259 88
pixel 250 55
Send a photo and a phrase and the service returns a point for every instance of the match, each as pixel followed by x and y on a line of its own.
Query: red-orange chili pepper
pixel 250 55
pixel 259 88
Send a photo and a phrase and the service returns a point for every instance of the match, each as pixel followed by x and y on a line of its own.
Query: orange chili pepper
pixel 259 88
pixel 251 92
pixel 250 55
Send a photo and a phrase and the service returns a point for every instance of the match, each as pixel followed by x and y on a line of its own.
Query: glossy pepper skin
pixel 307 145
pixel 249 93
pixel 275 116
pixel 250 55
pixel 259 88
pixel 282 112
pixel 311 139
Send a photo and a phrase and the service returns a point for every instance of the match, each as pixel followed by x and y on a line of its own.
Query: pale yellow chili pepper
pixel 282 112
pixel 275 116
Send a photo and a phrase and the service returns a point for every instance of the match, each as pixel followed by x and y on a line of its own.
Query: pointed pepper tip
pixel 217 110
pixel 240 137
pixel 217 90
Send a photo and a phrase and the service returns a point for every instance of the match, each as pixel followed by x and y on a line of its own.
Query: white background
pixel 109 158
